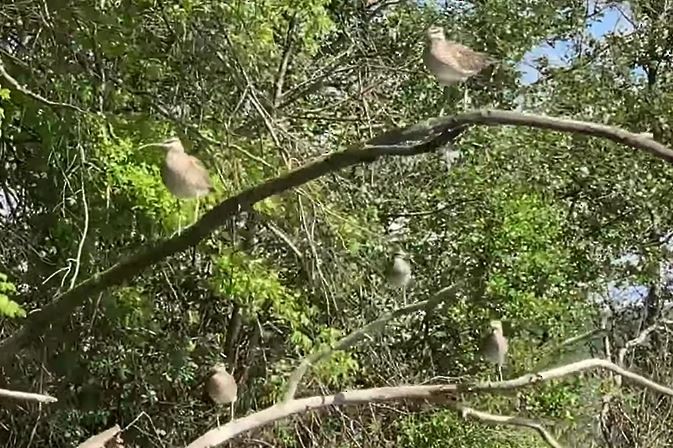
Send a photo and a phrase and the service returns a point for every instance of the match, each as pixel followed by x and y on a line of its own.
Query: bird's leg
pixel 217 418
pixel 196 211
pixel 404 295
pixel 466 99
pixel 231 411
pixel 177 208
pixel 499 372
pixel 445 99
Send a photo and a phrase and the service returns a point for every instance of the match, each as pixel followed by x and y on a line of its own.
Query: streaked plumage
pixel 184 175
pixel 221 385
pixel 399 274
pixel 495 345
pixel 450 61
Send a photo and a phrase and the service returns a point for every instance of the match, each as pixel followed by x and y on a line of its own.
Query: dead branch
pixel 580 337
pixel 101 439
pixel 635 342
pixel 494 419
pixel 361 333
pixel 219 435
pixel 418 139
pixel 14 84
pixel 4 393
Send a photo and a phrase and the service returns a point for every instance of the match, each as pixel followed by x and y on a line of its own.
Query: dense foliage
pixel 542 230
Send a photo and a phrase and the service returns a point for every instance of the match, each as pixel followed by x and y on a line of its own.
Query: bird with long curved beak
pixel 221 387
pixel 451 62
pixel 182 174
pixel 399 273
pixel 495 345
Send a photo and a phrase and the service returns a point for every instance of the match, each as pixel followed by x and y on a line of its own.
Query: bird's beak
pixel 149 145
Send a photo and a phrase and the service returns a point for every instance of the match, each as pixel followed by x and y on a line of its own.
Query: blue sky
pixel 610 20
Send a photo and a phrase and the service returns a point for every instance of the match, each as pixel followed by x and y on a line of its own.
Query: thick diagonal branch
pixel 431 134
pixel 58 310
pixel 361 333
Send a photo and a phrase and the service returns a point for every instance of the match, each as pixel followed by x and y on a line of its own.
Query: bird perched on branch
pixel 399 273
pixel 221 387
pixel 184 175
pixel 451 62
pixel 494 346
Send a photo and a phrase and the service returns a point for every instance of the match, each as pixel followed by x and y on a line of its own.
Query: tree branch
pixel 502 117
pixel 99 440
pixel 435 392
pixel 40 99
pixel 494 419
pixel 361 333
pixel 421 138
pixel 4 393
pixel 575 339
pixel 285 61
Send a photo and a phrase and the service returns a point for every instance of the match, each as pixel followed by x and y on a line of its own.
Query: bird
pixel 184 175
pixel 221 388
pixel 451 62
pixel 399 273
pixel 494 346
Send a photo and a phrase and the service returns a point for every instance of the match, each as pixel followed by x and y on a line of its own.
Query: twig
pixel 635 342
pixel 19 88
pixel 575 339
pixel 85 230
pixel 495 419
pixel 29 396
pixel 163 111
pixel 435 392
pixel 286 239
pixel 425 137
pixel 439 209
pixel 361 333
pixel 285 60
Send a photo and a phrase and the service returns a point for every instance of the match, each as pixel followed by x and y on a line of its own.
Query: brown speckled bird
pixel 221 387
pixel 450 61
pixel 494 347
pixel 184 175
pixel 398 273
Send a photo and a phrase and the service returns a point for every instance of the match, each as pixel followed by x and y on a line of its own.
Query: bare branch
pixel 502 117
pixel 286 239
pixel 40 99
pixel 99 440
pixel 568 369
pixel 85 230
pixel 361 333
pixel 580 337
pixel 4 393
pixel 635 342
pixel 285 61
pixel 494 419
pixel 434 392
pixel 418 139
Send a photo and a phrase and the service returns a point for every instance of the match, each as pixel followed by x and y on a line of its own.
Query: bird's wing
pixel 465 57
pixel 200 177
